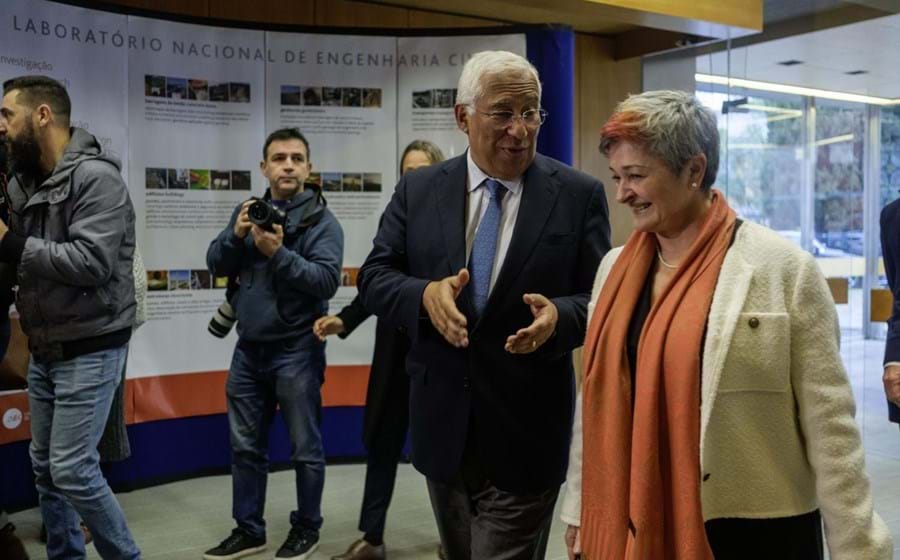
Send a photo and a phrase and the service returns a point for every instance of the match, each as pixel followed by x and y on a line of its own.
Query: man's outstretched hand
pixel 439 300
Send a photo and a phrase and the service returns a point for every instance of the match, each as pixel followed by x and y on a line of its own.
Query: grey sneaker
pixel 300 544
pixel 237 545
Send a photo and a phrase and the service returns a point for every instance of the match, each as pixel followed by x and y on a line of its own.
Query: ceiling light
pixel 791 62
pixel 835 140
pixel 796 90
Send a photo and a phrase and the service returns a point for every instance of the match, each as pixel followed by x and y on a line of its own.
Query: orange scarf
pixel 641 473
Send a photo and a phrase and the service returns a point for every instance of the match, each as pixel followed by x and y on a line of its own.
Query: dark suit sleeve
pixel 352 315
pixel 890 238
pixel 595 242
pixel 386 288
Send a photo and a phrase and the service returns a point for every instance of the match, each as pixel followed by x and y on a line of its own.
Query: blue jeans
pixel 263 374
pixel 69 402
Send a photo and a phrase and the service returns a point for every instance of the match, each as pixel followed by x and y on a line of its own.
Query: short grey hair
pixel 672 125
pixel 489 64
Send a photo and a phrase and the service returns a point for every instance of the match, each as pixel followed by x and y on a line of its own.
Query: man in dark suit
pixel 890 250
pixel 486 261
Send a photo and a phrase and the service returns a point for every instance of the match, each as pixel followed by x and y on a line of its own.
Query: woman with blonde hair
pixel 716 418
pixel 386 417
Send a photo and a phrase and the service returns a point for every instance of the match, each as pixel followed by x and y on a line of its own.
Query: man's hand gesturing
pixel 439 300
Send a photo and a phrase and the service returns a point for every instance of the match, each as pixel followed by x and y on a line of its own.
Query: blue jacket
pixel 281 297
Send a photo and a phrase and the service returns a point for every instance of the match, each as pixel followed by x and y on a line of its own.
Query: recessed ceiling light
pixel 791 62
pixel 798 90
pixel 856 72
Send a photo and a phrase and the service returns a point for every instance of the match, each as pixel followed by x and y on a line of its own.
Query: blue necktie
pixel 485 247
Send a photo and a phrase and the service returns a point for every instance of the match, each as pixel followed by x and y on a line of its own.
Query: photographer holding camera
pixel 283 254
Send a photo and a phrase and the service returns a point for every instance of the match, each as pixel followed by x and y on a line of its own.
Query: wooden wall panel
pixel 196 8
pixel 600 83
pixel 359 14
pixel 269 11
pixel 418 18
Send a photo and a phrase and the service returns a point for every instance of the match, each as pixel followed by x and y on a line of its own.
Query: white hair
pixel 490 64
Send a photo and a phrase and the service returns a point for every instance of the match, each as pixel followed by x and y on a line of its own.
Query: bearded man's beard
pixel 24 154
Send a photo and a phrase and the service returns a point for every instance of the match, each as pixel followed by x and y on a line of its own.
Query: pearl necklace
pixel 663 262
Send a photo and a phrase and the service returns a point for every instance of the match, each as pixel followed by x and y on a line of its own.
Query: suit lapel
pixel 539 192
pixel 450 199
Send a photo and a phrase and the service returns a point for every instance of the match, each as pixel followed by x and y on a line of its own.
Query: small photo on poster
pixel 422 99
pixel 179 280
pixel 290 95
pixel 372 97
pixel 314 179
pixel 239 92
pixel 352 97
pixel 218 92
pixel 348 277
pixel 442 98
pixel 352 182
pixel 201 280
pixel 155 178
pixel 179 179
pixel 176 88
pixel 331 97
pixel 331 182
pixel 154 86
pixel 220 180
pixel 312 96
pixel 371 182
pixel 157 280
pixel 199 179
pixel 240 180
pixel 219 282
pixel 198 90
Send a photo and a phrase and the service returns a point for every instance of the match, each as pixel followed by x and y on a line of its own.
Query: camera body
pixel 265 215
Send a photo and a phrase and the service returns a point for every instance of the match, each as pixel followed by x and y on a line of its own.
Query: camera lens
pixel 259 213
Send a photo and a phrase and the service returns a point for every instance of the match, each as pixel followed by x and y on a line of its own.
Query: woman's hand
pixel 573 542
pixel 328 325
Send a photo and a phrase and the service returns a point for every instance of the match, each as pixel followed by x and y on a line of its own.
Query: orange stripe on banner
pixel 197 394
pixel 16 419
pixel 165 397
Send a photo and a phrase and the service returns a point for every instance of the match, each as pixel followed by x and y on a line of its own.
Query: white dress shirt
pixel 477 199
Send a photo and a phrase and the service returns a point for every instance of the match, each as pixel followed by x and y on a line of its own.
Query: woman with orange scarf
pixel 715 419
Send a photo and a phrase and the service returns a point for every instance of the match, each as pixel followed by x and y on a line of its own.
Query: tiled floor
pixel 178 521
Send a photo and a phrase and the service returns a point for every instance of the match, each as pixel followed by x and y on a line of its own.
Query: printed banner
pixel 341 92
pixel 187 108
pixel 196 129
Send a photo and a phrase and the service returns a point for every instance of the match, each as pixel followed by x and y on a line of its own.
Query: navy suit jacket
pixel 517 408
pixel 890 250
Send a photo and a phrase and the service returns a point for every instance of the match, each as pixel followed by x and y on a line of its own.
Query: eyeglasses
pixel 503 119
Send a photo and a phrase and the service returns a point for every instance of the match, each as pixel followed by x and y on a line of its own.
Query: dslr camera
pixel 263 214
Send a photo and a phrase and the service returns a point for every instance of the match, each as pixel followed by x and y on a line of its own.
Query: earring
pixel 694 185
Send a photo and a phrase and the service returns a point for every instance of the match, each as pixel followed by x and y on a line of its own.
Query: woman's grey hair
pixel 672 125
pixel 487 64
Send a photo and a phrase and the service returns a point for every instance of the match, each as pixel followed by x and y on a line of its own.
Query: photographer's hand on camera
pixel 243 224
pixel 267 242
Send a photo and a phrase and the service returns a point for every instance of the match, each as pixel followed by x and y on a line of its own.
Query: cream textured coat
pixel 777 434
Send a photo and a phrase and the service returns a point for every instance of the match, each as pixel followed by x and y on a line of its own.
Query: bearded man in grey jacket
pixel 71 239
